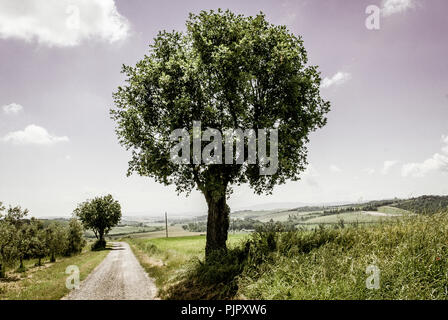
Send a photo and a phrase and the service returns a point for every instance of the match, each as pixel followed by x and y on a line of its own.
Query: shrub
pixel 99 244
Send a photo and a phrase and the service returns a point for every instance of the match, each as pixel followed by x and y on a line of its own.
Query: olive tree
pixel 16 217
pixel 56 240
pixel 38 244
pixel 7 242
pixel 74 237
pixel 227 71
pixel 100 215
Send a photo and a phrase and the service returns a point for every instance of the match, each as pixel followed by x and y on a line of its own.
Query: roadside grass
pixel 168 259
pixel 48 281
pixel 411 254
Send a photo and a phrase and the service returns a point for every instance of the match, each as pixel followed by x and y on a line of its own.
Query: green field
pixel 348 217
pixel 262 215
pixel 173 231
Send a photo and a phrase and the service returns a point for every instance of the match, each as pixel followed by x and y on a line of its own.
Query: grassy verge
pixel 48 281
pixel 411 255
pixel 168 259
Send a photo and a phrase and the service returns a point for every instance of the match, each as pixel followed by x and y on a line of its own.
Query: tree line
pixel 425 204
pixel 24 238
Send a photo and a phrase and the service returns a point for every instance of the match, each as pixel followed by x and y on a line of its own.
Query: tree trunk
pixel 39 263
pixel 217 224
pixel 21 264
pixel 52 258
pixel 2 273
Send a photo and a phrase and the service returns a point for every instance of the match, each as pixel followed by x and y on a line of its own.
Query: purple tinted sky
pixel 383 138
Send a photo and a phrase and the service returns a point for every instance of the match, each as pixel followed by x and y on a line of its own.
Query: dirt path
pixel 119 277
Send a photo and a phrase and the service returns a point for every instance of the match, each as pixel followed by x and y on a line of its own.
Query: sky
pixel 384 71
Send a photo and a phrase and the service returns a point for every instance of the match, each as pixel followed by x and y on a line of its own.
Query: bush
pixel 99 245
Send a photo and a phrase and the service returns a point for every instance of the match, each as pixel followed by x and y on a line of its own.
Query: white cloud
pixel 33 134
pixel 438 162
pixel 388 165
pixel 369 171
pixel 338 79
pixel 12 108
pixel 391 7
pixel 62 23
pixel 335 168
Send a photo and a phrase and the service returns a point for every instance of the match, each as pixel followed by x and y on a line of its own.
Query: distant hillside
pixel 424 204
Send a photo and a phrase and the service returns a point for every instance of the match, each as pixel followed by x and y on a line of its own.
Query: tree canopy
pixel 99 214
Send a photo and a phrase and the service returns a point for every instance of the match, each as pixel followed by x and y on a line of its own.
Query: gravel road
pixel 119 277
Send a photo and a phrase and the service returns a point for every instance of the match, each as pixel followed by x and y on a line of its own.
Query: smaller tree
pixel 7 246
pixel 100 215
pixel 37 237
pixel 56 239
pixel 16 216
pixel 74 238
pixel 23 244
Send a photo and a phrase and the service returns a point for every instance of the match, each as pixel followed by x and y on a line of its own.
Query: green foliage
pixel 22 238
pixel 24 233
pixel 99 245
pixel 7 245
pixel 99 214
pixel 235 225
pixel 424 204
pixel 57 240
pixel 75 239
pixel 227 71
pixel 412 255
pixel 38 245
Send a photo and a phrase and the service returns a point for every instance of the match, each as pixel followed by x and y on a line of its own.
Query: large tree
pixel 229 72
pixel 100 215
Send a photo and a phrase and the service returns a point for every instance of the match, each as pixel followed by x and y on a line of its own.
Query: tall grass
pixel 327 263
pixel 411 254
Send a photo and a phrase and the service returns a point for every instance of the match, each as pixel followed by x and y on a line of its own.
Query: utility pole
pixel 166 224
